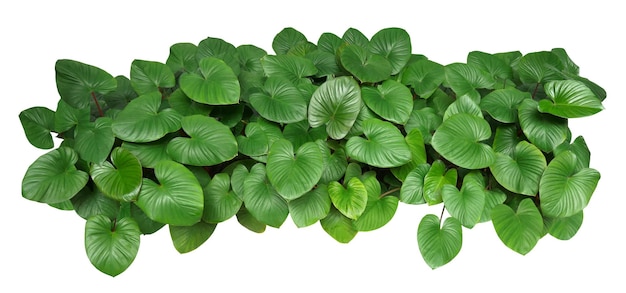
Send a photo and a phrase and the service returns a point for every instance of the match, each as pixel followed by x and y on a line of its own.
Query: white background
pixel 41 248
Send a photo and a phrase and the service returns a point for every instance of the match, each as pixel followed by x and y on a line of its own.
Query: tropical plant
pixel 336 132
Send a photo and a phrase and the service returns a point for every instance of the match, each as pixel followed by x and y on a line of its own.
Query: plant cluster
pixel 336 132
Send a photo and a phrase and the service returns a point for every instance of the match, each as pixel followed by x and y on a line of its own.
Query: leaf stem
pixel 441 216
pixel 93 96
pixel 535 90
pixel 388 192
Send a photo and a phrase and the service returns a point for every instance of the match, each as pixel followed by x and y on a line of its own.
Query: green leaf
pixel 353 36
pixel 149 154
pixel 94 140
pixel 564 188
pixel 218 49
pixel 539 67
pixel 290 67
pixel 176 200
pixel 293 176
pixel 143 120
pixel 378 212
pixel 434 181
pixel 249 222
pixel 336 165
pixel 426 121
pixel 520 172
pixel 519 230
pixel 287 39
pixel 463 104
pixel 439 244
pixel 262 200
pixel 150 76
pixel 186 106
pixel 384 147
pixel 78 83
pixel 395 45
pixel 67 117
pixel 216 84
pixel 579 148
pixel 121 179
pixel 279 101
pixel 326 63
pixel 415 141
pixel 506 139
pixel 53 177
pixel 338 226
pixel 146 225
pixel 188 238
pixel 564 228
pixel 121 96
pixel 250 58
pixel 255 142
pixel 310 207
pixel 336 104
pixel 493 198
pixel 182 58
pixel 502 104
pixel 424 76
pixel 458 139
pixel 210 142
pixel 465 78
pixel 545 131
pixel 329 42
pixel 91 202
pixel 412 190
pixel 491 64
pixel 465 205
pixel 220 202
pixel 37 123
pixel 569 99
pixel 111 247
pixel 350 201
pixel 364 65
pixel 391 100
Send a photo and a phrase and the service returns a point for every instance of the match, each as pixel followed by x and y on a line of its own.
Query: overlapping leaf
pixel 519 230
pixel 384 147
pixel 522 171
pixel 458 139
pixel 37 123
pixel 79 83
pixel 143 120
pixel 121 178
pixel 390 100
pixel 336 104
pixel 294 175
pixel 569 99
pixel 439 244
pixel 216 84
pixel 111 247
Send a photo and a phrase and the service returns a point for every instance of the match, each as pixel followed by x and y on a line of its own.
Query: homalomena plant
pixel 336 132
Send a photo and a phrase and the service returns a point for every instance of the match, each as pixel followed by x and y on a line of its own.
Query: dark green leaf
pixel 188 238
pixel 121 178
pixel 37 123
pixel 439 244
pixel 519 230
pixel 216 84
pixel 111 247
pixel 78 83
pixel 143 120
pixel 336 104
pixel 150 76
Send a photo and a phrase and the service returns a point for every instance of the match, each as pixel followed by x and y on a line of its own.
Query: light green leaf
pixel 79 84
pixel 121 178
pixel 434 181
pixel 384 147
pixel 111 247
pixel 294 175
pixel 188 238
pixel 463 104
pixel 310 207
pixel 564 228
pixel 216 84
pixel 569 99
pixel 458 139
pixel 338 226
pixel 37 123
pixel 143 120
pixel 465 205
pixel 336 104
pixel 439 244
pixel 412 190
pixel 378 211
pixel 519 230
pixel 391 100
pixel 176 200
pixel 350 201
pixel 53 177
pixel 520 172
pixel 564 190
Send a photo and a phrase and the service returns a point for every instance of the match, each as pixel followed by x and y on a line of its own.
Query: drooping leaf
pixel 294 175
pixel 53 177
pixel 220 202
pixel 150 76
pixel 216 84
pixel 390 100
pixel 176 199
pixel 262 200
pixel 564 189
pixel 336 104
pixel 569 99
pixel 338 226
pixel 466 204
pixel 412 190
pixel 395 45
pixel 350 201
pixel 521 171
pixel 143 120
pixel 37 123
pixel 111 247
pixel 210 142
pixel 384 146
pixel 458 139
pixel 434 181
pixel 188 238
pixel 121 178
pixel 439 244
pixel 415 141
pixel 546 131
pixel 310 207
pixel 79 83
pixel 564 228
pixel 519 230
pixel 94 140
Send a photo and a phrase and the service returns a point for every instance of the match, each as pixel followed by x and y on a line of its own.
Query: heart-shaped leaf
pixel 521 171
pixel 506 139
pixel 216 84
pixel 262 200
pixel 336 104
pixel 412 190
pixel 491 64
pixel 150 153
pixel 519 230
pixel 395 45
pixel 111 247
pixel 458 139
pixel 38 122
pixel 67 117
pixel 579 148
pixel 502 104
pixel 338 226
pixel 78 83
pixel 329 42
pixel 188 238
pixel 91 202
pixel 463 104
pixel 379 210
pixel 391 100
pixel 250 59
pixel 286 39
pixel 53 177
pixel 143 121
pixel 218 49
pixel 220 202
pixel 94 140
pixel 569 99
pixel 466 79
pixel 539 67
pixel 426 120
pixel 415 140
pixel 290 67
pixel 465 205
pixel 439 244
pixel 424 76
pixel 434 181
pixel 353 36
pixel 182 58
pixel 384 147
pixel 565 189
pixel 493 198
pixel 255 142
pixel 176 200
pixel 210 142
pixel 121 179
pixel 150 76
pixel 279 101
pixel 310 207
pixel 250 222
pixel 293 176
pixel 365 65
pixel 564 228
pixel 350 201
